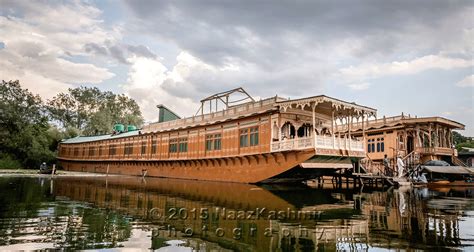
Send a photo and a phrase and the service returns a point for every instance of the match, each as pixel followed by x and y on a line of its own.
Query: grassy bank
pixel 59 173
pixel 19 171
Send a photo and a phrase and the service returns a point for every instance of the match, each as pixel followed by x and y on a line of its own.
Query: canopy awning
pixel 447 169
pixel 327 105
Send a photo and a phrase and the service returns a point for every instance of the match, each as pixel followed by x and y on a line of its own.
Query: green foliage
pixel 24 136
pixel 7 162
pixel 469 144
pixel 27 137
pixel 462 141
pixel 458 138
pixel 92 111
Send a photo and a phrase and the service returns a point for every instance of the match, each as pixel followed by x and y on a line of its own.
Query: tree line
pixel 32 128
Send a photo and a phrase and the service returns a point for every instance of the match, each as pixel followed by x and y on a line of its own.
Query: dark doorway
pixel 292 131
pixel 304 130
pixel 284 131
pixel 410 146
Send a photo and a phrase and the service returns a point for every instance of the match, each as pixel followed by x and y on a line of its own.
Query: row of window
pixel 248 137
pixel 372 143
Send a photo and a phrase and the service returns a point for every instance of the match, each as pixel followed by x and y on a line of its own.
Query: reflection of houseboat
pixel 145 199
pixel 254 141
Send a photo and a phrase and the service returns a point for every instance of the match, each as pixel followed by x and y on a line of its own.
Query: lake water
pixel 169 215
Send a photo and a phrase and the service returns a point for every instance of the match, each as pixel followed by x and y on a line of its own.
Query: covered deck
pixel 317 122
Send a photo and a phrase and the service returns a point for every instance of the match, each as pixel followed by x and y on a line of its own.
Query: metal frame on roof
pixel 224 98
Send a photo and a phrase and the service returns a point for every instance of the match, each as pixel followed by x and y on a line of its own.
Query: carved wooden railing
pixel 338 143
pixel 373 167
pixel 435 150
pixel 459 162
pixel 238 110
pixel 411 159
pixel 412 163
pixel 321 142
pixel 293 144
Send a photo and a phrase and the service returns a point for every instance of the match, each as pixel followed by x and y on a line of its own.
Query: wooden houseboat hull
pixel 242 169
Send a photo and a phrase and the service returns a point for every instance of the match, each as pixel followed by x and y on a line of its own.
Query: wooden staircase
pixel 457 161
pixel 370 171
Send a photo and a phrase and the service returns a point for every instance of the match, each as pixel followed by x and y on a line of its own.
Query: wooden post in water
pixel 108 165
pixel 53 171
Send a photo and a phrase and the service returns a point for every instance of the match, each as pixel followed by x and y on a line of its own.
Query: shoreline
pixel 59 173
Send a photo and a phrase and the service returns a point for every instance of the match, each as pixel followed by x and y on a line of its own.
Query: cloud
pixel 46 87
pixel 216 33
pixel 359 86
pixel 41 42
pixel 118 51
pixel 276 47
pixel 468 81
pixel 377 70
pixel 145 83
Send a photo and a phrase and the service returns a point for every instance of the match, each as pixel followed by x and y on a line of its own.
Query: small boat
pixel 44 169
pixel 448 176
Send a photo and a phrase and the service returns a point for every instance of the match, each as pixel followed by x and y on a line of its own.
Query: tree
pixel 462 141
pixel 92 111
pixel 24 138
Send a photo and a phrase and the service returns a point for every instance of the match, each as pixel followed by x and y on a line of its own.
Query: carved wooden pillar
pixel 418 140
pixel 429 136
pixel 314 123
pixel 332 130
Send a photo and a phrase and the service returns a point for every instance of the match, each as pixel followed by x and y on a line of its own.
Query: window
pixel 173 145
pixel 244 138
pixel 254 136
pixel 213 142
pixel 128 149
pixel 100 150
pixel 143 147
pixel 209 142
pixel 91 151
pixel 372 143
pixel 246 134
pixel 153 145
pixel 217 142
pixel 76 151
pixel 183 144
pixel 112 149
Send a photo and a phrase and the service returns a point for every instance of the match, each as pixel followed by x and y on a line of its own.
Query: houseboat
pixel 416 139
pixel 247 141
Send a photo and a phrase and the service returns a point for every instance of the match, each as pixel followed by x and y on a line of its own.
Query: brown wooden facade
pixel 415 139
pixel 248 143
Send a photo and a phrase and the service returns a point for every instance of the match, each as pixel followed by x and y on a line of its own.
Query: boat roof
pixel 401 121
pixel 84 139
pixel 307 101
pixel 447 169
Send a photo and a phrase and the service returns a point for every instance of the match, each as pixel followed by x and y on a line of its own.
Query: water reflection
pixel 114 212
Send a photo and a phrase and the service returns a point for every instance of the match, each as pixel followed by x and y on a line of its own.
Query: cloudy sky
pixel 408 56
